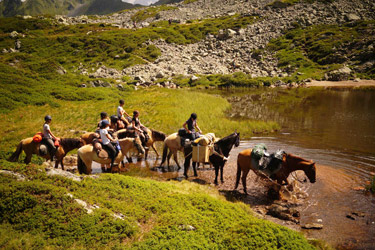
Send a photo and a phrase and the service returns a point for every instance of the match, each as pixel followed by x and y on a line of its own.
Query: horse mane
pixel 222 140
pixel 70 142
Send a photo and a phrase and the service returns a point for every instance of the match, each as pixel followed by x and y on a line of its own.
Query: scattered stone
pixel 342 74
pixel 350 216
pixel 59 172
pixel 312 226
pixel 187 227
pixel 18 176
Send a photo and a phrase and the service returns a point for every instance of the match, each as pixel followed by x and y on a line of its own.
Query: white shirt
pixel 103 135
pixel 120 110
pixel 45 131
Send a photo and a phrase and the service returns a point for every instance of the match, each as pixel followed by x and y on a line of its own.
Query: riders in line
pixel 121 113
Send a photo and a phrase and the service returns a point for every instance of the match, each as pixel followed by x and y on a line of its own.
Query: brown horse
pixel 89 137
pixel 87 154
pixel 290 163
pixel 153 135
pixel 30 147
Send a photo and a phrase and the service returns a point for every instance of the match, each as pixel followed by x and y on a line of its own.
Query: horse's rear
pixel 243 166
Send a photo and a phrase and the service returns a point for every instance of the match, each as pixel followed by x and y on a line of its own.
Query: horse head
pixel 310 172
pixel 237 141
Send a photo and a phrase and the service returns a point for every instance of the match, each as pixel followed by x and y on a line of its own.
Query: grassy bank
pixel 39 213
pixel 161 109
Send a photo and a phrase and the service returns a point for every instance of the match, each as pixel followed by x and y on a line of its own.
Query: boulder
pixel 351 17
pixel 342 74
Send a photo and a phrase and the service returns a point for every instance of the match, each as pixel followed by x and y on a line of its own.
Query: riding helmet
pixel 47 118
pixel 103 115
pixel 104 123
pixel 194 116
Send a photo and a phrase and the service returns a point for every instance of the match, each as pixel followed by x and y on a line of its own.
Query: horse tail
pixel 238 175
pixel 80 165
pixel 16 154
pixel 164 157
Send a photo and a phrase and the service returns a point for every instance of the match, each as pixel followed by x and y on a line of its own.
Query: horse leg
pixel 238 176
pixel 146 153
pixel 186 166
pixel 28 158
pixel 221 173
pixel 195 169
pixel 169 158
pixel 244 175
pixel 216 174
pixel 176 160
pixel 156 152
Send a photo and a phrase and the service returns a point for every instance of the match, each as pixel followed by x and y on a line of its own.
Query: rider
pixel 107 140
pixel 140 130
pixel 48 137
pixel 121 112
pixel 190 125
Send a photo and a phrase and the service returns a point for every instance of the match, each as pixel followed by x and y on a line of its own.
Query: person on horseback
pixel 140 130
pixel 190 125
pixel 103 116
pixel 107 140
pixel 48 137
pixel 121 112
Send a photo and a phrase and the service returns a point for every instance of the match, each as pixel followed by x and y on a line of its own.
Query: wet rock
pixel 312 226
pixel 282 211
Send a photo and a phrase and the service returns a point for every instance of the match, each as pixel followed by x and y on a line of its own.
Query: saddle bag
pixel 38 137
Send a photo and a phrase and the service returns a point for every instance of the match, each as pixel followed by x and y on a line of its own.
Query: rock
pixel 19 177
pixel 59 172
pixel 187 227
pixel 352 17
pixel 312 226
pixel 283 212
pixel 13 34
pixel 61 71
pixel 350 216
pixel 119 86
pixel 160 74
pixel 342 74
pixel 194 78
pixel 17 44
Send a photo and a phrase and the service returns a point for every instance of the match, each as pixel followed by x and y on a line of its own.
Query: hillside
pixel 61 7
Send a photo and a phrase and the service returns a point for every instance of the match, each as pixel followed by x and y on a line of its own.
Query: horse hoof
pixel 195 175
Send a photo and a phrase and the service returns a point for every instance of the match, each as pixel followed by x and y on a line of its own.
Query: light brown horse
pixel 30 147
pixel 173 143
pixel 153 135
pixel 289 164
pixel 87 154
pixel 89 137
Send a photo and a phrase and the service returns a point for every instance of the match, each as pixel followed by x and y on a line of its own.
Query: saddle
pixel 43 146
pixel 268 164
pixel 97 144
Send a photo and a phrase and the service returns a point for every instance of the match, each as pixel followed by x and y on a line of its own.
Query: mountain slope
pixel 62 7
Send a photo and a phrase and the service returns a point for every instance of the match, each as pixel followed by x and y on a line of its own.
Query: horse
pixel 153 136
pixel 289 164
pixel 221 148
pixel 88 137
pixel 87 154
pixel 173 143
pixel 30 147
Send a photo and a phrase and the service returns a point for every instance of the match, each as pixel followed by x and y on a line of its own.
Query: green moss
pixel 39 213
pixel 143 14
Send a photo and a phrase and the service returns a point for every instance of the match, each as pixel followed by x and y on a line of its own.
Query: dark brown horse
pixel 290 163
pixel 222 149
pixel 30 147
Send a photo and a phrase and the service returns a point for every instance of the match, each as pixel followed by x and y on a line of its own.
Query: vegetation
pixel 286 3
pixel 42 212
pixel 312 51
pixel 145 13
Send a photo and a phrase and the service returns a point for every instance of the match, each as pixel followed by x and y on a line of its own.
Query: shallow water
pixel 336 129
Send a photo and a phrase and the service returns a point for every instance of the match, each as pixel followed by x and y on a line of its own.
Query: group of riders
pixel 122 120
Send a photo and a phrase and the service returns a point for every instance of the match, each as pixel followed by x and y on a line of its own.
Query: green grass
pixel 145 13
pixel 38 213
pixel 315 50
